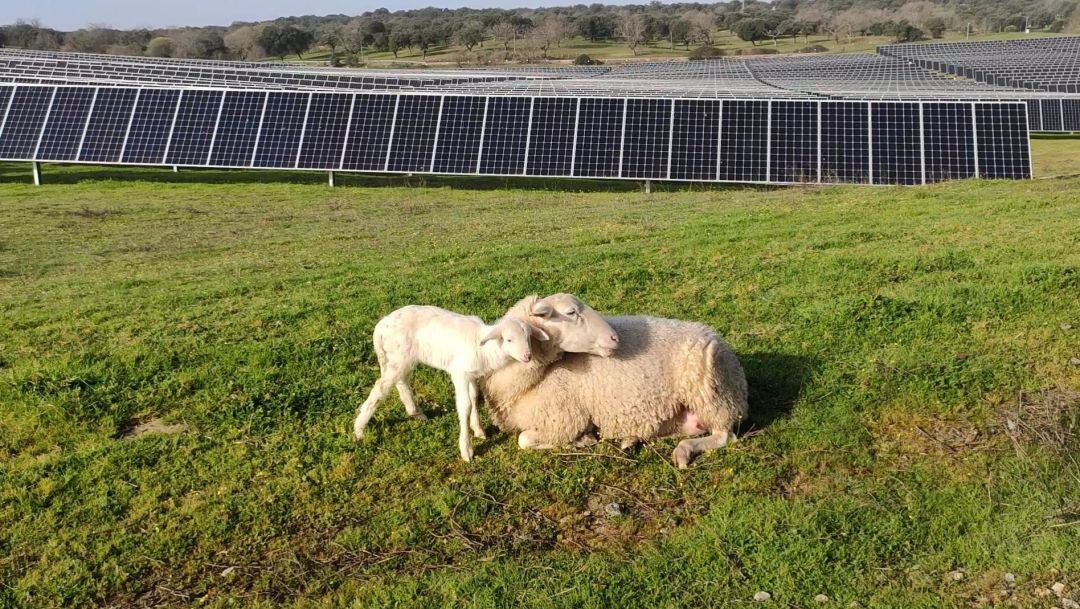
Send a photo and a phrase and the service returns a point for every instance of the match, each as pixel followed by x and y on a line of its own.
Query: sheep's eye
pixel 509 340
pixel 571 313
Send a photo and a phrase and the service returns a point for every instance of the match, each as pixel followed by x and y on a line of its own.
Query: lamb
pixel 667 378
pixel 466 348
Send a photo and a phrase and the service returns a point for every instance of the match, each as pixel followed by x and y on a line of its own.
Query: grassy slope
pixel 611 50
pixel 884 332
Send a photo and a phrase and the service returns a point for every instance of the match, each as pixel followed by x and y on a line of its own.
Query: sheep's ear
pixel 493 334
pixel 541 309
pixel 539 334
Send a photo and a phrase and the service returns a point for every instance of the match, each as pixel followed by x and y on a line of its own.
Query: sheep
pixel 667 378
pixel 464 347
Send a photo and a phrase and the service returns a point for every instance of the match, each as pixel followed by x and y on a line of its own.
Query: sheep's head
pixel 513 336
pixel 574 325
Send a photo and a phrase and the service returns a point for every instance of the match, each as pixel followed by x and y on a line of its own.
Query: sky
pixel 73 14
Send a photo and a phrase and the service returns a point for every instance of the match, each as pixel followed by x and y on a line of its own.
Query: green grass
pixel 887 334
pixel 609 50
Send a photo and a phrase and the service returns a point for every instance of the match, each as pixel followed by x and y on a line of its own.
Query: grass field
pixel 181 356
pixel 614 51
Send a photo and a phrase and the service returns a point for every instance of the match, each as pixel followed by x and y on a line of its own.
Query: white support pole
pixel 573 146
pixel 719 137
pixel 390 138
pixel 648 186
pixel 303 131
pixel 438 127
pixel 7 108
pixel 36 168
pixel 483 133
pixel 922 142
pixel 330 179
pixel 528 138
pixel 975 138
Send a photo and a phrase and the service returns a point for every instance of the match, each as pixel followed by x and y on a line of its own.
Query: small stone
pixel 1066 326
pixel 762 596
pixel 854 604
pixel 1009 577
pixel 821 598
pixel 613 509
pixel 1058 588
pixel 956 575
pixel 1068 603
pixel 1075 361
pixel 1043 592
pixel 227 571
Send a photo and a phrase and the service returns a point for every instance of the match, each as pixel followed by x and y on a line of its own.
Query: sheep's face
pixel 575 325
pixel 513 337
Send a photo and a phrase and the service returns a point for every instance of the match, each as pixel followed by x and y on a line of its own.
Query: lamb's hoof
pixel 418 416
pixel 628 444
pixel 467 455
pixel 479 434
pixel 682 456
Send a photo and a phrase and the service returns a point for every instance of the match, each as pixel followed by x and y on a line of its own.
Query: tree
pixel 551 30
pixel 632 29
pixel 32 35
pixel 751 30
pixel 243 42
pixel 505 32
pixel 282 40
pixel 329 35
pixel 679 31
pixel 161 46
pixel 470 35
pixel 701 26
pixel 94 39
pixel 200 44
pixel 596 27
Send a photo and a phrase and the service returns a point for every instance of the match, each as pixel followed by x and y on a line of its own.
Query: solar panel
pixel 505 135
pixel 744 141
pixel 794 153
pixel 324 136
pixel 66 125
pixel 1070 114
pixel 551 142
pixel 194 129
pixel 460 129
pixel 1003 149
pixel 599 137
pixel 108 124
pixel 238 129
pixel 370 127
pixel 1050 109
pixel 950 141
pixel 845 142
pixel 282 127
pixel 25 117
pixel 151 125
pixel 414 133
pixel 897 149
pixel 695 139
pixel 646 138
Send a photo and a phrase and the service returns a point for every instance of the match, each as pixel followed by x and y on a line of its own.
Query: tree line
pixel 531 34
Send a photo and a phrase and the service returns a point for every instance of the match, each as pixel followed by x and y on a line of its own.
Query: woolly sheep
pixel 668 378
pixel 465 348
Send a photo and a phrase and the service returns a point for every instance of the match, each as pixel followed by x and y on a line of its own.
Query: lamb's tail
pixel 714 384
pixel 377 342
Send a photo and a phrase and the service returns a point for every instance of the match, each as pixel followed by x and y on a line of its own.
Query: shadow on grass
pixel 776 381
pixel 75 174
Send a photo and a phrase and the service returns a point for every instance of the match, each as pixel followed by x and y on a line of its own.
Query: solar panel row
pixel 765 141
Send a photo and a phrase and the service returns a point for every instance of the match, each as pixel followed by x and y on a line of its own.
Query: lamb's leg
pixel 530 439
pixel 463 404
pixel 690 448
pixel 474 412
pixel 585 440
pixel 628 443
pixel 409 400
pixel 389 377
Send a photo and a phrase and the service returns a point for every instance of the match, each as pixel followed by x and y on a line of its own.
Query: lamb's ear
pixel 539 334
pixel 494 333
pixel 541 309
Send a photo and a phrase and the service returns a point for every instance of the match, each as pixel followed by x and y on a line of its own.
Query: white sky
pixel 73 14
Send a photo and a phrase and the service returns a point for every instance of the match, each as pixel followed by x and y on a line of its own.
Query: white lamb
pixel 463 346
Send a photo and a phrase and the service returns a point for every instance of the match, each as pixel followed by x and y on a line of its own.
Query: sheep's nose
pixel 615 338
pixel 527 357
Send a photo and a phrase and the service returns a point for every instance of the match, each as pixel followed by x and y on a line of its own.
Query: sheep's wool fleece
pixel 662 369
